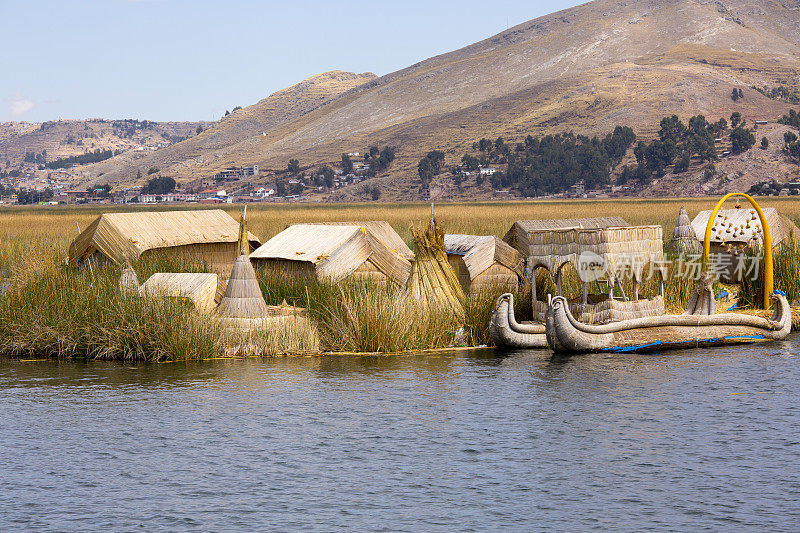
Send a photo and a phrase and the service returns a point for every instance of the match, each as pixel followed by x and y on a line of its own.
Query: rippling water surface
pixel 467 441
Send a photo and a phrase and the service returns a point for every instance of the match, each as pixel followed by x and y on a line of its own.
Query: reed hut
pixel 204 291
pixel 737 232
pixel 336 252
pixel 683 237
pixel 603 251
pixel 484 263
pixel 204 235
pixel 518 236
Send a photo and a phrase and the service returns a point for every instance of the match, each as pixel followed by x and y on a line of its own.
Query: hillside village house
pixel 168 197
pixel 235 173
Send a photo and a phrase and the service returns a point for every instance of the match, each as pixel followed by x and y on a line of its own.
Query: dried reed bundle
pixel 433 281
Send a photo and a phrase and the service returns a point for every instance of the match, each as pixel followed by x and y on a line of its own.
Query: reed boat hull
pixel 506 332
pixel 567 335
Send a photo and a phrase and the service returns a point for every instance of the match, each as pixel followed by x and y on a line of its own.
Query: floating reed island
pixel 211 289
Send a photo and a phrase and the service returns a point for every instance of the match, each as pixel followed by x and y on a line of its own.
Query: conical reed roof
pixel 243 298
pixel 683 238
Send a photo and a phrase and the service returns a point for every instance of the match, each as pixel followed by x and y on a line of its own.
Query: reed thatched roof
pixel 127 235
pixel 480 252
pixel 243 298
pixel 743 226
pixel 621 249
pixel 337 250
pixel 204 290
pixel 683 238
pixel 518 236
pixel 383 231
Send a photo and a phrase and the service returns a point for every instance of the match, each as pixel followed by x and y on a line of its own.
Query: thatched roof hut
pixel 683 237
pixel 742 226
pixel 519 234
pixel 601 249
pixel 735 231
pixel 205 291
pixel 372 251
pixel 483 262
pixel 383 231
pixel 209 235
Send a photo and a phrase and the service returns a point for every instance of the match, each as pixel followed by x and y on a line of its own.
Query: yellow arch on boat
pixel 768 266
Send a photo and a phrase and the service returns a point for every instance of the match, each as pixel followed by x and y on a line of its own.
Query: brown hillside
pixel 585 69
pixel 65 138
pixel 240 132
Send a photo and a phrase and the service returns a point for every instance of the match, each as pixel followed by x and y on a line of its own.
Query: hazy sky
pixel 193 59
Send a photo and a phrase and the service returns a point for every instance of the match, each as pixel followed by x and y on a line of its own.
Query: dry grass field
pixel 54 228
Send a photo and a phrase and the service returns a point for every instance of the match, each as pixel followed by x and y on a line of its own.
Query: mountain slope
pixel 241 130
pixel 65 138
pixel 585 69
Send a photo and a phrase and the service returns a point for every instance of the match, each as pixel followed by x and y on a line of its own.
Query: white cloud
pixel 18 105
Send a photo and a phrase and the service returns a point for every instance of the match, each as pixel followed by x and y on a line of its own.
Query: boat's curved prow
pixel 565 334
pixel 507 332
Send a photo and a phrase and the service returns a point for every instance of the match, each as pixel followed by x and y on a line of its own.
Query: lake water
pixel 475 440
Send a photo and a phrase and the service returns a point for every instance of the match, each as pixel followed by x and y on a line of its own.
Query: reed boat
pixel 567 335
pixel 507 332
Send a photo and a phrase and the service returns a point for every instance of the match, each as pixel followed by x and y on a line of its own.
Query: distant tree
pixel 327 176
pixel 159 185
pixel 736 119
pixel 672 129
pixel 280 188
pixel 470 162
pixel 789 137
pixel 138 174
pixel 682 165
pixel 83 159
pixel 764 143
pixel 794 150
pixel 199 129
pixel 152 170
pixel 484 145
pixel 735 94
pixel 436 158
pixel 741 140
pixel 373 152
pixel 237 108
pixel 227 112
pixel 425 171
pixel 375 193
pixel 294 166
pixel 617 143
pixel 792 119
pixel 347 164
